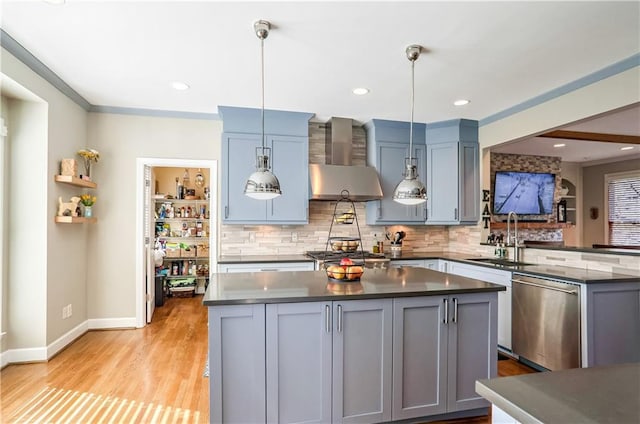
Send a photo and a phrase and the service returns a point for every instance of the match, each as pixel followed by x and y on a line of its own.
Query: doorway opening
pixel 180 224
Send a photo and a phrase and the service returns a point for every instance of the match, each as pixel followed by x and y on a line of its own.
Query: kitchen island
pixel 609 394
pixel 401 343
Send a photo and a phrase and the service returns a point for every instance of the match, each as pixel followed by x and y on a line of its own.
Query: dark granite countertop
pixel 577 275
pixel 609 394
pixel 311 286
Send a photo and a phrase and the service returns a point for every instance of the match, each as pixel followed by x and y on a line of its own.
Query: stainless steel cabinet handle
pixel 339 318
pixel 455 310
pixel 455 214
pixel 226 211
pixel 527 283
pixel 379 213
pixel 445 320
pixel 426 214
pixel 269 269
pixel 327 318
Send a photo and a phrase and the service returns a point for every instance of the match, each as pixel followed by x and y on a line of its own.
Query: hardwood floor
pixel 149 375
pixel 146 375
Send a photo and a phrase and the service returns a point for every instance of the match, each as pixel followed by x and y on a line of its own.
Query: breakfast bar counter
pixel 609 394
pixel 310 286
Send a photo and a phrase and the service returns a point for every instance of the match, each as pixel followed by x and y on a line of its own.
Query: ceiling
pixel 496 54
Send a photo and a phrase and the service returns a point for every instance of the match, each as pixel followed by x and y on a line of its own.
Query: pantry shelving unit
pixel 184 237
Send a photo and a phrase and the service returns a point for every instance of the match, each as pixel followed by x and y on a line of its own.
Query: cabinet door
pixel 472 351
pixel 442 183
pixel 299 362
pixel 239 159
pixel 407 262
pixel 266 266
pixel 391 160
pixel 290 164
pixel 362 361
pixel 419 357
pixel 237 364
pixel 469 191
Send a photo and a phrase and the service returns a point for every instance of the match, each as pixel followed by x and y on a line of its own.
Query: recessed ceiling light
pixel 461 102
pixel 626 148
pixel 55 2
pixel 179 85
pixel 361 91
pixel 559 145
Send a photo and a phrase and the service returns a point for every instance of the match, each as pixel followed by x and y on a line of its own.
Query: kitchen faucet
pixel 516 249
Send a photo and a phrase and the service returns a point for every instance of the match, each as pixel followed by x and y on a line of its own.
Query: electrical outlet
pixel 294 237
pixel 64 312
pixel 252 236
pixel 69 310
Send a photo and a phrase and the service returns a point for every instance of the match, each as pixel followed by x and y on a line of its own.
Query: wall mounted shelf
pixel 74 181
pixel 75 220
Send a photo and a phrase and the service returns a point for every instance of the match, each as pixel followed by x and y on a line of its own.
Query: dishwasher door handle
pixel 542 286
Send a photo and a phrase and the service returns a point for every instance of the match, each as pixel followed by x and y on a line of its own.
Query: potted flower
pixel 88 156
pixel 88 200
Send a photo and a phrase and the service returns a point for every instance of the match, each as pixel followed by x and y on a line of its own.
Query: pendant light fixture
pixel 262 184
pixel 411 191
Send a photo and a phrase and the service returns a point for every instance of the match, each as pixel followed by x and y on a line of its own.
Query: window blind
pixel 624 210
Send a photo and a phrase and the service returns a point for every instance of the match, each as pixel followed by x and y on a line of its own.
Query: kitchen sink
pixel 498 262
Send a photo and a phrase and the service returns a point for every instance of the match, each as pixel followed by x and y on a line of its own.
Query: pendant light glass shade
pixel 411 191
pixel 262 184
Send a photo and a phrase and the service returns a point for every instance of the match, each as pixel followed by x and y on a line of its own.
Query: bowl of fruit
pixel 346 270
pixel 344 245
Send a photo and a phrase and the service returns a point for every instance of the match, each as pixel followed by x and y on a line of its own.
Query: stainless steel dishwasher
pixel 546 321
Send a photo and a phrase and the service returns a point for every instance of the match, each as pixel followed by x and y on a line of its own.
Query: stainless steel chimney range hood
pixel 330 180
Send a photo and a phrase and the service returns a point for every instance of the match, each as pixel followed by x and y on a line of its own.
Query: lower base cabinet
pixel 329 361
pixel 356 361
pixel 441 346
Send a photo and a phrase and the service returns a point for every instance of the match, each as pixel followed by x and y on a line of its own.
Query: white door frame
pixel 212 165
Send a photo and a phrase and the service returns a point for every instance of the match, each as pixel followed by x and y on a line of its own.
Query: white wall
pixel 121 139
pixel 45 127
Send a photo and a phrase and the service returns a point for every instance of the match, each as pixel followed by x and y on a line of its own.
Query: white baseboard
pixel 111 323
pixel 32 354
pixel 66 339
pixel 42 354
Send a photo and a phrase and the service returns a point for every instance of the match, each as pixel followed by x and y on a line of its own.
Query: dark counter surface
pixel 609 394
pixel 577 275
pixel 311 286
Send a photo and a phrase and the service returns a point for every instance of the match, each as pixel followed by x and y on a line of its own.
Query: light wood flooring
pixel 148 375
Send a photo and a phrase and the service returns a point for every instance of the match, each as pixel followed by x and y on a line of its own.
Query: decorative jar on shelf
pixel 88 211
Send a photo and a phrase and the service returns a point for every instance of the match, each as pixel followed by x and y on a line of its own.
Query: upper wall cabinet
pixel 387 148
pixel 453 177
pixel 287 134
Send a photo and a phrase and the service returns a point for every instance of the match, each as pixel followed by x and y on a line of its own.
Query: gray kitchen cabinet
pixel 299 350
pixel 610 324
pixel 266 266
pixel 287 134
pixel 442 345
pixel 495 276
pixel 423 263
pixel 387 148
pixel 329 361
pixel 453 177
pixel 237 373
pixel 362 360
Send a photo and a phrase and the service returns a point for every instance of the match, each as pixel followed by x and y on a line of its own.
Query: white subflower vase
pixel 88 211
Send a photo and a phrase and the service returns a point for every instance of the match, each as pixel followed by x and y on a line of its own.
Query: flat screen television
pixel 525 193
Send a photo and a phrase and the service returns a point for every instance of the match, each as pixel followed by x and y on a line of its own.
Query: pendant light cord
pixel 262 88
pixel 413 62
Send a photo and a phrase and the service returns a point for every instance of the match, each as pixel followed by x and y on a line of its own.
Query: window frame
pixel 607 179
